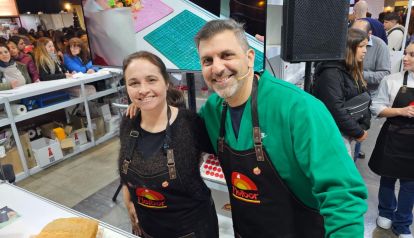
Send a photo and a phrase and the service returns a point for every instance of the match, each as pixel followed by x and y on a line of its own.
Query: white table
pixel 36 212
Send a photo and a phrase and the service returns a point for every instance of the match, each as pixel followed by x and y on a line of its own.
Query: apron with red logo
pixel 393 155
pixel 164 206
pixel 261 203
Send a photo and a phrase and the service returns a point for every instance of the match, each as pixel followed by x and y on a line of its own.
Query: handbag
pixel 358 106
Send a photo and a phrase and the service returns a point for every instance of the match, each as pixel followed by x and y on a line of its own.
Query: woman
pixel 47 61
pixel 23 58
pixel 339 81
pixel 12 74
pixel 159 157
pixel 77 57
pixel 393 155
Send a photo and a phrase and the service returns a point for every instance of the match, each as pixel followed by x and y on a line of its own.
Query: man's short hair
pixel 392 16
pixel 214 27
pixel 366 26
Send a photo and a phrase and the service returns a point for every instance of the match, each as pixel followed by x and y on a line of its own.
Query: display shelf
pixel 90 78
pixel 4 121
pixel 106 137
pixel 215 184
pixel 275 2
pixel 41 111
pixel 102 94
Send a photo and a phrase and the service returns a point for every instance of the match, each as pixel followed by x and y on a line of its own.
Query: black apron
pixel 261 203
pixel 393 155
pixel 163 204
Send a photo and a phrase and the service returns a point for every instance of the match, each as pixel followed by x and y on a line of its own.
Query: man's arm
pixel 382 66
pixel 336 183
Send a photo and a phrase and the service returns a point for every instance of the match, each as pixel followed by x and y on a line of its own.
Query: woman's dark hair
pixel 15 39
pixel 84 52
pixel 174 96
pixel 355 37
pixel 4 45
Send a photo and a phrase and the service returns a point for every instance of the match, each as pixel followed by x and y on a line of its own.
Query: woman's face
pixel 361 50
pixel 14 51
pixel 146 86
pixel 408 59
pixel 50 48
pixel 21 45
pixel 4 54
pixel 75 49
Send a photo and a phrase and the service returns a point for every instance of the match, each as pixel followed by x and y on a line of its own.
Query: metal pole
pixel 308 79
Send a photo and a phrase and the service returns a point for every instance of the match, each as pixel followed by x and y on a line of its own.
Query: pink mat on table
pixel 153 11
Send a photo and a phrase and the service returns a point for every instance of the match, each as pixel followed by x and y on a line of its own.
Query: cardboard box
pixel 79 136
pixel 105 112
pixel 46 151
pixel 13 158
pixel 78 122
pixel 98 127
pixel 113 124
pixel 27 150
pixel 47 129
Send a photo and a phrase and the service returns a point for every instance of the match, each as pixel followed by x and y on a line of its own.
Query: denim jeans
pixel 400 211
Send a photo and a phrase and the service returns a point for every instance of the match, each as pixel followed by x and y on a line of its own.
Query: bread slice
pixel 74 227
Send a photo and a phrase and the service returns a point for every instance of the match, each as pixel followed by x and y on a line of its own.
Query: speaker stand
pixel 191 91
pixel 308 78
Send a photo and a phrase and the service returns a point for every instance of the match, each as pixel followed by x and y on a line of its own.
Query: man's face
pixel 389 24
pixel 225 63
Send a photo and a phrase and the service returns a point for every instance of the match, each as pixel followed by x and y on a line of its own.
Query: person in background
pixel 338 81
pixel 58 40
pixel 393 155
pixel 47 61
pixel 360 12
pixel 377 64
pixel 77 57
pixel 81 34
pixel 395 32
pixel 159 157
pixel 12 74
pixel 23 58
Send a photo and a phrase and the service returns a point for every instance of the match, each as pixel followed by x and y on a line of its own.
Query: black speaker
pixel 314 30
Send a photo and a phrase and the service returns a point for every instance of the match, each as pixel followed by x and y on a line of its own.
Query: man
pixel 395 32
pixel 360 12
pixel 286 166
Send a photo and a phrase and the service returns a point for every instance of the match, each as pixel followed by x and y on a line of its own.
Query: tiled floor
pixel 88 182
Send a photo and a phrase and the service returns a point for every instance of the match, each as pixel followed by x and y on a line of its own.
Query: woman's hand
pixel 363 137
pixel 90 71
pixel 136 228
pixel 68 75
pixel 132 110
pixel 14 83
pixel 407 111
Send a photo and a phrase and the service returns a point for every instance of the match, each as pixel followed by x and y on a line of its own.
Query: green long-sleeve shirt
pixel 305 146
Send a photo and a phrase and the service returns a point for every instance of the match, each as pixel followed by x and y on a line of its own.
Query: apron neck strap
pixel 405 78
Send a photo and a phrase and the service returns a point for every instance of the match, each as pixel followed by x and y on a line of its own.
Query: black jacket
pixel 46 75
pixel 334 85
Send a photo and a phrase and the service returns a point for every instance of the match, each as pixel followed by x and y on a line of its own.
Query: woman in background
pixel 393 155
pixel 77 57
pixel 159 157
pixel 338 81
pixel 12 73
pixel 23 58
pixel 47 61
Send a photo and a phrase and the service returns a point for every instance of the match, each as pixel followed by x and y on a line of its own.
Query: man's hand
pixel 407 111
pixel 132 110
pixel 136 228
pixel 363 137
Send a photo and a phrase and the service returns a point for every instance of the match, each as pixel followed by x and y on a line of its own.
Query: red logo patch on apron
pixel 244 189
pixel 150 198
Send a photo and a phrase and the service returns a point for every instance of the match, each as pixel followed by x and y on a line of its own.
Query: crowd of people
pixel 29 56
